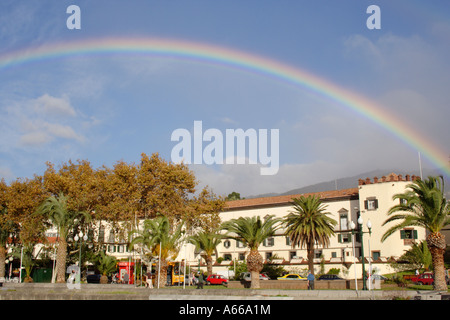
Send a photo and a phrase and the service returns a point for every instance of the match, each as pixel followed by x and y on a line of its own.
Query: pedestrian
pixel 125 278
pixel 200 281
pixel 310 279
pixel 149 283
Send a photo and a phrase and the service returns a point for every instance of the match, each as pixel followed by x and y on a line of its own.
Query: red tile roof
pixel 284 200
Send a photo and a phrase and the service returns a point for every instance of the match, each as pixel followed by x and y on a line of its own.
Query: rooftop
pixel 286 199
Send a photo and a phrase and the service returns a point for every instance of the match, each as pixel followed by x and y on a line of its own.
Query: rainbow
pixel 207 53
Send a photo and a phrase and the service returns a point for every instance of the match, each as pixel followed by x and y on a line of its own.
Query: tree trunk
pixel 2 261
pixel 436 244
pixel 61 255
pixel 310 254
pixel 162 276
pixel 254 266
pixel 209 265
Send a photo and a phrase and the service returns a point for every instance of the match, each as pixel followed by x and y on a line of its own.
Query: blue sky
pixel 113 107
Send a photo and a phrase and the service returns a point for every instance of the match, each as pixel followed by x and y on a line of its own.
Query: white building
pixel 371 200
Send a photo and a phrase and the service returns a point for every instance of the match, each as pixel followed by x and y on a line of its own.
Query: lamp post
pixel 80 237
pixel 360 231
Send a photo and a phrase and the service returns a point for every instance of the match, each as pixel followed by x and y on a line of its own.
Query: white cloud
pixel 54 106
pixel 37 122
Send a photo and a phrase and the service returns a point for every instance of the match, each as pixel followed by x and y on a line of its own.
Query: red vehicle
pixel 424 278
pixel 216 279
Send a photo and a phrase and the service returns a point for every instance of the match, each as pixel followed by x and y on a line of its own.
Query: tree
pixel 57 210
pixel 162 240
pixel 18 222
pixel 252 231
pixel 309 224
pixel 419 256
pixel 165 188
pixel 424 205
pixel 234 196
pixel 106 265
pixel 206 242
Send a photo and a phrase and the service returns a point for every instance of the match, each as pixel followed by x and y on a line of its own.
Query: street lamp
pixel 360 231
pixel 80 237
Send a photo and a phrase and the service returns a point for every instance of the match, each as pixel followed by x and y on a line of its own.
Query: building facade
pixel 371 201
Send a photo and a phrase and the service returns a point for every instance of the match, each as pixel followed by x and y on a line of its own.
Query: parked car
pixel 291 276
pixel 423 279
pixel 216 279
pixel 378 277
pixel 330 277
pixel 247 276
pixel 93 278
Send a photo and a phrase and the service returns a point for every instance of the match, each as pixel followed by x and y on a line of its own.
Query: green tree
pixel 309 224
pixel 252 231
pixel 206 242
pixel 56 210
pixel 424 205
pixel 419 256
pixel 106 265
pixel 162 240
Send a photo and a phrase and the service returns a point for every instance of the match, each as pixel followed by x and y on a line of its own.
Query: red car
pixel 424 278
pixel 216 279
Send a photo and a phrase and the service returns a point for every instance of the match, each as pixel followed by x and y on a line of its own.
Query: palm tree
pixel 252 232
pixel 418 256
pixel 161 240
pixel 57 211
pixel 106 264
pixel 424 205
pixel 207 242
pixel 309 224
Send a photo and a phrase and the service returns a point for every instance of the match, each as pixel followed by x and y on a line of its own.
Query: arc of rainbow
pixel 241 60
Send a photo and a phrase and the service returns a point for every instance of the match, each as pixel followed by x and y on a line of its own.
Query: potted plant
pixel 106 265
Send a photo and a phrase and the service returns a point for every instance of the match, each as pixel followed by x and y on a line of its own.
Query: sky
pixel 111 106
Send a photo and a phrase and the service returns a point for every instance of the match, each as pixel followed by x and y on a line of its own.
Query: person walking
pixel 310 279
pixel 200 281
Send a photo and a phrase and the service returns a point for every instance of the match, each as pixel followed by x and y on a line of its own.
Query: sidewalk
pixel 48 291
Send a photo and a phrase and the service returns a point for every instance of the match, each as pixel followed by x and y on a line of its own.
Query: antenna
pixel 420 167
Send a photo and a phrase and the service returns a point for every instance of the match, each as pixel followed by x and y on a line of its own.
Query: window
pixel 333 254
pixel 288 241
pixel 376 255
pixel 344 237
pixel 408 236
pixel 344 221
pixel 371 204
pixel 293 255
pixel 227 244
pixel 241 256
pixel 268 255
pixel 269 242
pixel 239 244
pixel 101 234
pixel 227 257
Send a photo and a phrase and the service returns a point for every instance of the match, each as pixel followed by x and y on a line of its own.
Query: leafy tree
pixel 309 224
pixel 57 210
pixel 418 257
pixel 207 242
pixel 252 232
pixel 162 240
pixel 106 264
pixel 424 205
pixel 165 188
pixel 234 196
